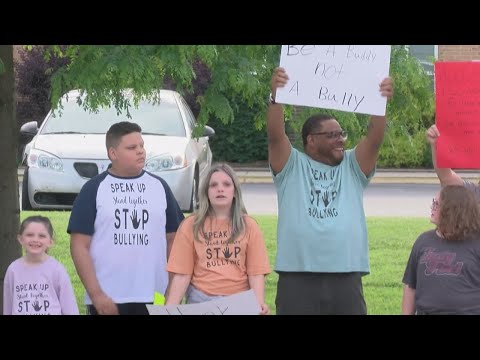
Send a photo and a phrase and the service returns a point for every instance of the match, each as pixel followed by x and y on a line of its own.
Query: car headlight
pixel 165 162
pixel 43 160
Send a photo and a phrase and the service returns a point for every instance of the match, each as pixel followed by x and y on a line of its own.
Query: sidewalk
pixel 382 176
pixel 261 175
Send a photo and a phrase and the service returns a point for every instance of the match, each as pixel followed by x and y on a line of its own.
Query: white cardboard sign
pixel 244 303
pixel 339 77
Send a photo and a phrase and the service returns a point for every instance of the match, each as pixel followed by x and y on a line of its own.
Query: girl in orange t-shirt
pixel 219 250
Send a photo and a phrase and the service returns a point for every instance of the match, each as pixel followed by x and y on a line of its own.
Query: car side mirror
pixel 28 131
pixel 208 131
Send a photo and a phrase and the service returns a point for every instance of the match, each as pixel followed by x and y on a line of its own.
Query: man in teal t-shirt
pixel 322 246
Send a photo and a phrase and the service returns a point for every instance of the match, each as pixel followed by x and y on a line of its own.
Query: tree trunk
pixel 9 206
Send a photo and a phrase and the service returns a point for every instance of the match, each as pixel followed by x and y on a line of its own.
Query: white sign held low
pixel 339 77
pixel 244 303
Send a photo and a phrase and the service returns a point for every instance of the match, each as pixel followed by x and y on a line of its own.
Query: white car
pixel 69 149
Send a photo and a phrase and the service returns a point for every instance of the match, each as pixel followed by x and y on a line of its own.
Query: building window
pixel 425 54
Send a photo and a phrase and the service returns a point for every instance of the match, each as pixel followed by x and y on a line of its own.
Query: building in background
pixel 425 53
pixel 458 52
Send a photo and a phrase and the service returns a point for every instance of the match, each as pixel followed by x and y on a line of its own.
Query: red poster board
pixel 457 93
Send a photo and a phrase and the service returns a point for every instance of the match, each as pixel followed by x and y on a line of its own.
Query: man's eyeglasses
pixel 333 134
pixel 435 204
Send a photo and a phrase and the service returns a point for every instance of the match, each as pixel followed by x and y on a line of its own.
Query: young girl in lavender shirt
pixel 37 284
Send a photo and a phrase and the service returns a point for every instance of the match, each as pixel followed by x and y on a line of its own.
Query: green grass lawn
pixel 390 242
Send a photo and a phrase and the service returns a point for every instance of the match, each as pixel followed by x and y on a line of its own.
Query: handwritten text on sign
pixel 458 114
pixel 339 77
pixel 244 303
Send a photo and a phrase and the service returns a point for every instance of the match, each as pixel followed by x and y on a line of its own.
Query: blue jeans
pixel 195 296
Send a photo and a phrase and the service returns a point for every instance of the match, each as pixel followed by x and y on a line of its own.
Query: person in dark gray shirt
pixel 443 272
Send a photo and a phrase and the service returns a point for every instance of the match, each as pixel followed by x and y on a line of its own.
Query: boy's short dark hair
pixel 118 130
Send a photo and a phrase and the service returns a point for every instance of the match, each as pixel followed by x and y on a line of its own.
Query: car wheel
pixel 25 200
pixel 194 199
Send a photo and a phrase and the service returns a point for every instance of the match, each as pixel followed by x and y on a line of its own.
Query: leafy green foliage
pixel 200 84
pixel 413 106
pixel 33 73
pixel 102 72
pixel 237 75
pixel 403 151
pixel 410 113
pixel 239 141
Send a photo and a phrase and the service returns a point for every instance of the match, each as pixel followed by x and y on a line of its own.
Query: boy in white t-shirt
pixel 122 226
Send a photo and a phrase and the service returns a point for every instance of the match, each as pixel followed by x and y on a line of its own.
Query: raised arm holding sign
pixel 457 98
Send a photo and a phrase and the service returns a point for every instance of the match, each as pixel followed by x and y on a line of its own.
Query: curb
pixel 404 180
pixel 379 178
pixel 375 180
pixel 255 180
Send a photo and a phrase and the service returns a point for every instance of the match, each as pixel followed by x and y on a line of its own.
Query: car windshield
pixel 163 118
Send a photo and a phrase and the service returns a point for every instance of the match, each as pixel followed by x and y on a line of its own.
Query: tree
pixel 33 87
pixel 200 83
pixel 102 72
pixel 9 246
pixel 240 72
pixel 33 75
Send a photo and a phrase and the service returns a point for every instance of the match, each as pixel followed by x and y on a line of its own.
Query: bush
pixel 409 113
pixel 199 85
pixel 403 151
pixel 239 141
pixel 33 74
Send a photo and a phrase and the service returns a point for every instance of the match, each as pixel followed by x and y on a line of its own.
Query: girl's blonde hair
pixel 205 209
